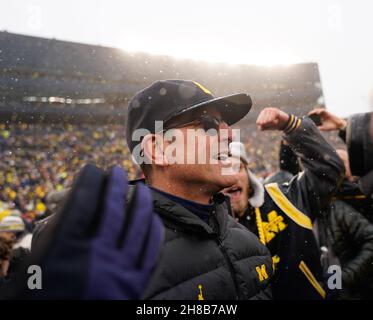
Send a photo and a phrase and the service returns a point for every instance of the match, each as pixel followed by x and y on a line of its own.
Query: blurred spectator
pixel 5 250
pixel 356 191
pixel 344 235
pixel 283 218
pixel 15 242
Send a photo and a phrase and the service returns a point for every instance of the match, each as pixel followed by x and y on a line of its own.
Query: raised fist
pixel 272 119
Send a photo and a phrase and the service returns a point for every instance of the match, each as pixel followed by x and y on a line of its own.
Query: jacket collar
pixel 185 219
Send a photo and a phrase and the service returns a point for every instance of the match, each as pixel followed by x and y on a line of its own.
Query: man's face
pixel 8 236
pixel 239 192
pixel 205 159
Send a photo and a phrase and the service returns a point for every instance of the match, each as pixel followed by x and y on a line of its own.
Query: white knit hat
pixel 237 150
pixel 12 223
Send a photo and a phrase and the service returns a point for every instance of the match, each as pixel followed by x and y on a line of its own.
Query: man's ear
pixel 153 147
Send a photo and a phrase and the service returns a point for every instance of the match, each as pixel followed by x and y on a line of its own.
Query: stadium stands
pixel 63 104
pixel 36 67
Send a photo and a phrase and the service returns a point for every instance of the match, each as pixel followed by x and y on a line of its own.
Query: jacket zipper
pixel 226 256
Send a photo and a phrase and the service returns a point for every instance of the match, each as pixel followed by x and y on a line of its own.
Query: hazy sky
pixel 336 34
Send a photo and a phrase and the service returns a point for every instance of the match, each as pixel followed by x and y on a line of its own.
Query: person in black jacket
pixel 344 235
pixel 206 254
pixel 355 132
pixel 282 215
pixel 348 236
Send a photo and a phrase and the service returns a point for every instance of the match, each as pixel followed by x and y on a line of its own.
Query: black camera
pixel 359 143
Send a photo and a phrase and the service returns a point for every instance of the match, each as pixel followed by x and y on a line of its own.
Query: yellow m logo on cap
pixel 262 272
pixel 202 88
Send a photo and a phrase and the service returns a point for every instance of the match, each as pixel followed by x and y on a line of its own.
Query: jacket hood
pixel 237 150
pixel 257 199
pixel 180 217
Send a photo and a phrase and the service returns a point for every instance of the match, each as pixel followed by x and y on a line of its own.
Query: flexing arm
pixel 323 169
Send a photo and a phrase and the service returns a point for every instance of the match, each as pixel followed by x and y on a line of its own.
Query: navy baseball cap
pixel 166 99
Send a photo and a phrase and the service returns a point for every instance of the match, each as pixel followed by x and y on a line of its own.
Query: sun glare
pixel 209 54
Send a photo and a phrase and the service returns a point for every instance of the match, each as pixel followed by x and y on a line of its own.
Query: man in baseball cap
pixel 167 99
pixel 180 133
pixel 183 105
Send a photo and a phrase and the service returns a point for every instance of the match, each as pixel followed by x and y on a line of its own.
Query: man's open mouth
pixel 234 193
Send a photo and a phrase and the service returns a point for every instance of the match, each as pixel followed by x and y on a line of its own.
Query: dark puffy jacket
pixel 351 193
pixel 219 260
pixel 350 236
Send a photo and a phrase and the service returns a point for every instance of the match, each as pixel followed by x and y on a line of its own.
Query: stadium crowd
pixel 40 159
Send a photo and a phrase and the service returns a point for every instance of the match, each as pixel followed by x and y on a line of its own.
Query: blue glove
pixel 101 245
